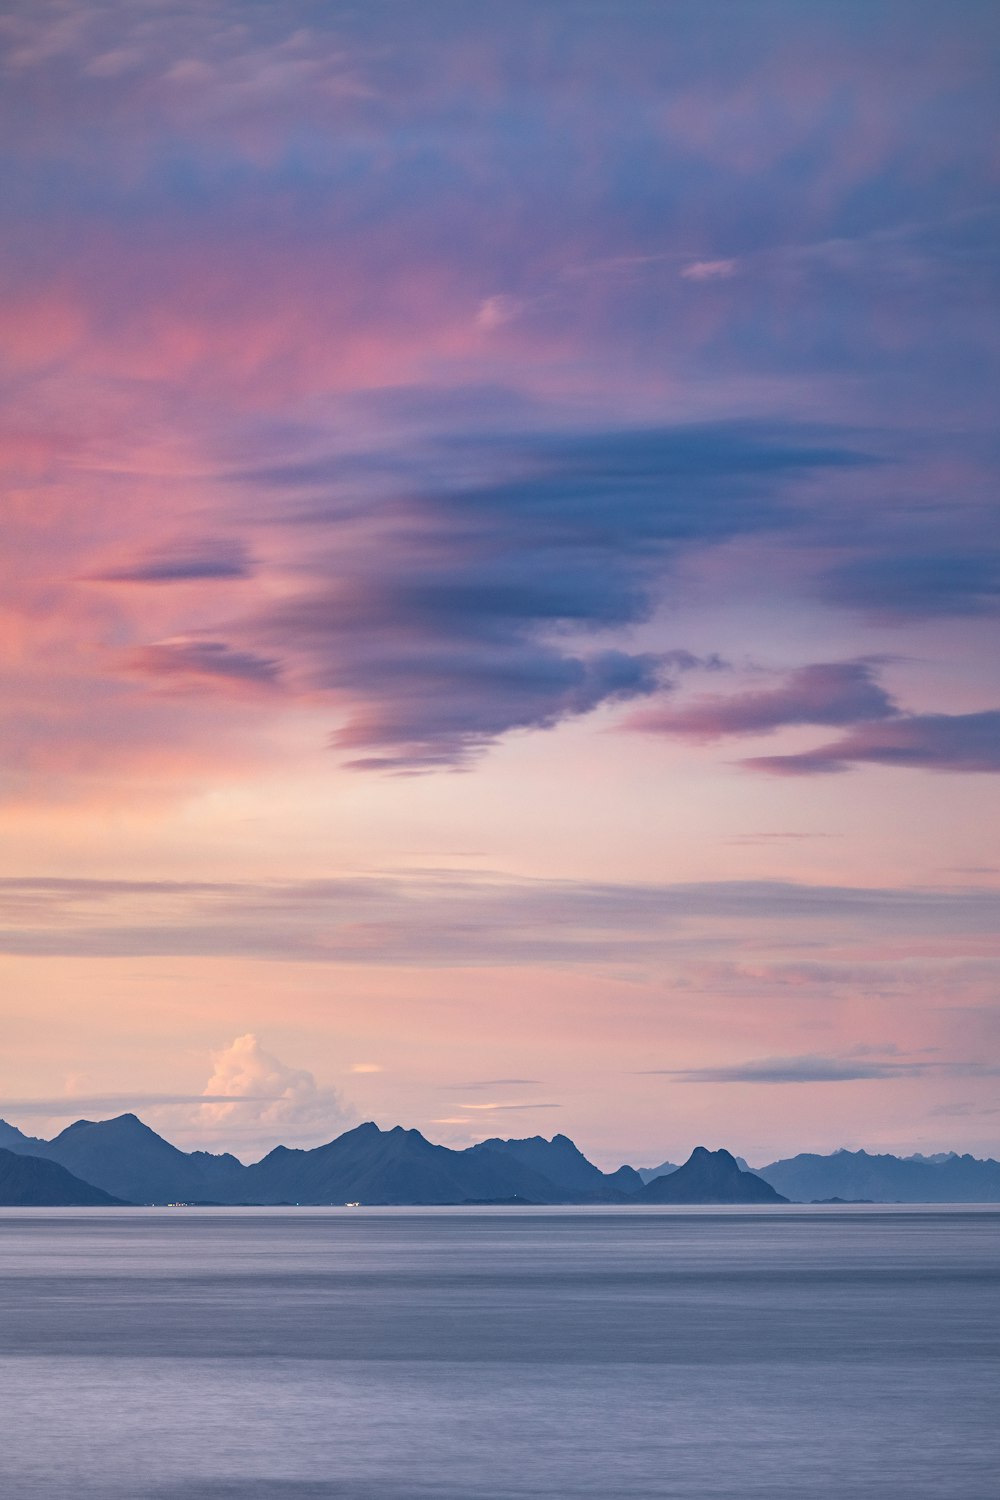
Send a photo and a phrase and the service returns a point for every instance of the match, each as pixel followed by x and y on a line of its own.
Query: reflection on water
pixel 389 1354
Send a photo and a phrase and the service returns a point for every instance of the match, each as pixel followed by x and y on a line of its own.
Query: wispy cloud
pixel 907 584
pixel 490 1108
pixel 821 693
pixel 182 562
pixel 807 1068
pixel 74 1106
pixel 927 742
pixel 468 610
pixel 846 694
pixel 453 918
pixel 815 1068
pixel 495 1083
pixel 195 663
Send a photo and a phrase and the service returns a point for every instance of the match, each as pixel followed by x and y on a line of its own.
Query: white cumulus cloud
pixel 265 1091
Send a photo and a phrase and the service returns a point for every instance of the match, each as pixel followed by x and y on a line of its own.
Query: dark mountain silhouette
pixel 886 1179
pixel 559 1159
pixel 648 1173
pixel 709 1177
pixel 564 1164
pixel 33 1182
pixel 369 1165
pixel 626 1180
pixel 130 1161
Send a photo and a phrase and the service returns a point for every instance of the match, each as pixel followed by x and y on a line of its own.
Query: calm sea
pixel 498 1354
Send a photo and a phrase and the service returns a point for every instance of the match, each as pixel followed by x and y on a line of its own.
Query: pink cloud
pixel 822 693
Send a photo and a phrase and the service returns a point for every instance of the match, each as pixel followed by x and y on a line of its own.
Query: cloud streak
pixel 918 586
pixel 451 919
pixel 183 562
pixel 815 1068
pixel 490 1108
pixel 823 693
pixel 964 743
pixel 192 665
pixel 809 1068
pixel 75 1106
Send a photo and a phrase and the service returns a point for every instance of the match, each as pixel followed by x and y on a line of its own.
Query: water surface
pixel 834 1354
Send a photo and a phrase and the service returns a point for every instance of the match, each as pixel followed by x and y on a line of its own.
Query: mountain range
pixel 123 1160
pixel 886 1179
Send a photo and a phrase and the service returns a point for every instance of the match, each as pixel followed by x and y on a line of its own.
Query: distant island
pixel 122 1161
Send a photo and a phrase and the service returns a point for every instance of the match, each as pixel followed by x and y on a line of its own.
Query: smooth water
pixel 834 1354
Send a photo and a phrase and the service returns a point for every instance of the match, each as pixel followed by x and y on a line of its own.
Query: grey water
pixel 835 1354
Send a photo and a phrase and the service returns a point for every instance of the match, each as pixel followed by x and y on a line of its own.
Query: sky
pixel 500 571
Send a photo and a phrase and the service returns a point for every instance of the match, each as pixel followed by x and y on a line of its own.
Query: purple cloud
pixel 822 693
pixel 844 694
pixel 930 742
pixel 182 562
pixel 807 1068
pixel 918 586
pixel 467 611
pixel 193 661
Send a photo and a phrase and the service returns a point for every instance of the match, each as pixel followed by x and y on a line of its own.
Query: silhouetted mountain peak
pixel 286 1154
pixel 564 1165
pixel 648 1174
pixel 75 1128
pixel 119 1127
pixel 722 1159
pixel 215 1159
pixel 368 1131
pixel 11 1136
pixel 709 1177
pixel 401 1133
pixel 127 1159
